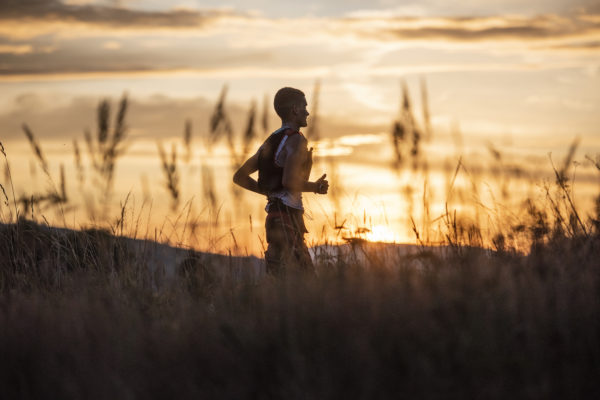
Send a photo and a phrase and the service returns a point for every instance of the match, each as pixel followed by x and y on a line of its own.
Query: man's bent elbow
pixel 237 177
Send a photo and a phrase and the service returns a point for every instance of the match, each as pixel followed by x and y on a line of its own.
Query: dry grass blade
pixel 426 211
pixel 120 224
pixel 5 195
pixel 494 152
pixel 6 173
pixel 426 113
pixel 312 133
pixel 219 120
pixel 8 177
pixel 335 184
pixel 78 163
pixel 63 185
pixel 103 118
pixel 120 127
pixel 89 141
pixel 451 185
pixel 37 150
pixel 595 162
pixel 265 114
pixel 249 132
pixel 187 140
pixel 219 111
pixel 54 196
pixel 169 168
pixel 105 152
pixel 397 138
pixel 406 103
pixel 112 152
pixel 562 182
pixel 562 174
pixel 208 186
pixel 404 129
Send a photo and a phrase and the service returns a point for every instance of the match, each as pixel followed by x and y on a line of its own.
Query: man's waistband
pixel 275 205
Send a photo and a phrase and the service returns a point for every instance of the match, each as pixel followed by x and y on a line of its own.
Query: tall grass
pixel 169 167
pixel 81 317
pixel 506 309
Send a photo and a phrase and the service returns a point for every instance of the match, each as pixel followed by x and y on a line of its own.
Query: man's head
pixel 290 104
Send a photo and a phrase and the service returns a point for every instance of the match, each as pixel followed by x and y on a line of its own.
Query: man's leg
pixel 276 246
pixel 302 257
pixel 286 249
pixel 300 250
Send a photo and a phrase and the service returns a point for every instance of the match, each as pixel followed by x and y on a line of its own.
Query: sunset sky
pixel 522 76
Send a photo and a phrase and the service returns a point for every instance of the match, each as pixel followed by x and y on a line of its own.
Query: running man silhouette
pixel 283 163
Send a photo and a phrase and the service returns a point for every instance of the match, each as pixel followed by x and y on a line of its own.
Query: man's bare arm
pixel 242 175
pixel 293 174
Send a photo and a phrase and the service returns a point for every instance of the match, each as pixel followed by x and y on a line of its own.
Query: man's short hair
pixel 285 98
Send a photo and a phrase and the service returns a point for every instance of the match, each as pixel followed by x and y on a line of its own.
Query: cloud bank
pixel 107 16
pixel 55 40
pixel 475 29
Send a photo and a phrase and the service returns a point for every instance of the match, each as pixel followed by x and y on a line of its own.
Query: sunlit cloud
pixel 134 72
pixel 112 45
pixel 573 104
pixel 358 140
pixel 15 49
pixel 346 145
pixel 401 70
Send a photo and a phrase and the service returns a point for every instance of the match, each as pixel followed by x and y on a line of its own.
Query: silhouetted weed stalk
pixel 169 167
pixel 54 196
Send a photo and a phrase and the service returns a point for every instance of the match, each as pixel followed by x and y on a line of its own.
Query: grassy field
pixel 508 313
pixel 81 319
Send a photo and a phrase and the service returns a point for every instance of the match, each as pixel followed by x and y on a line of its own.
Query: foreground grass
pixel 81 319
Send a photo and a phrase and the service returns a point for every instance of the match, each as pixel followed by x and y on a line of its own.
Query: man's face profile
pixel 301 113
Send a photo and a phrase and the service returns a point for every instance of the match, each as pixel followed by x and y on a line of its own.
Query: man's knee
pixel 273 260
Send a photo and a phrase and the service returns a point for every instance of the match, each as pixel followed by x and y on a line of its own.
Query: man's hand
pixel 322 185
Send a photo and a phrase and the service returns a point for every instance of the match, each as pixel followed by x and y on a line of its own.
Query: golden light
pixel 382 233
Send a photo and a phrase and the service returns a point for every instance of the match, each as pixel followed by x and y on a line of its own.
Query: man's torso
pixel 284 150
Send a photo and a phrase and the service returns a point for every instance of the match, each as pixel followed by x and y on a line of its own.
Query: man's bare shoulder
pixel 297 142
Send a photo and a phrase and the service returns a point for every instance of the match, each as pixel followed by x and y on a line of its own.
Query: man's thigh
pixel 286 248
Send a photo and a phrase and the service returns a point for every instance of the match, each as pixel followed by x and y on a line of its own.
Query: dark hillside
pixel 82 316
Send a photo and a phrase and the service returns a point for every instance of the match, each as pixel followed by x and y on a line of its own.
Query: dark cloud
pixel 105 15
pixel 583 46
pixel 469 29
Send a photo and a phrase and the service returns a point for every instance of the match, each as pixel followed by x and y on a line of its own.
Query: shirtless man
pixel 285 160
